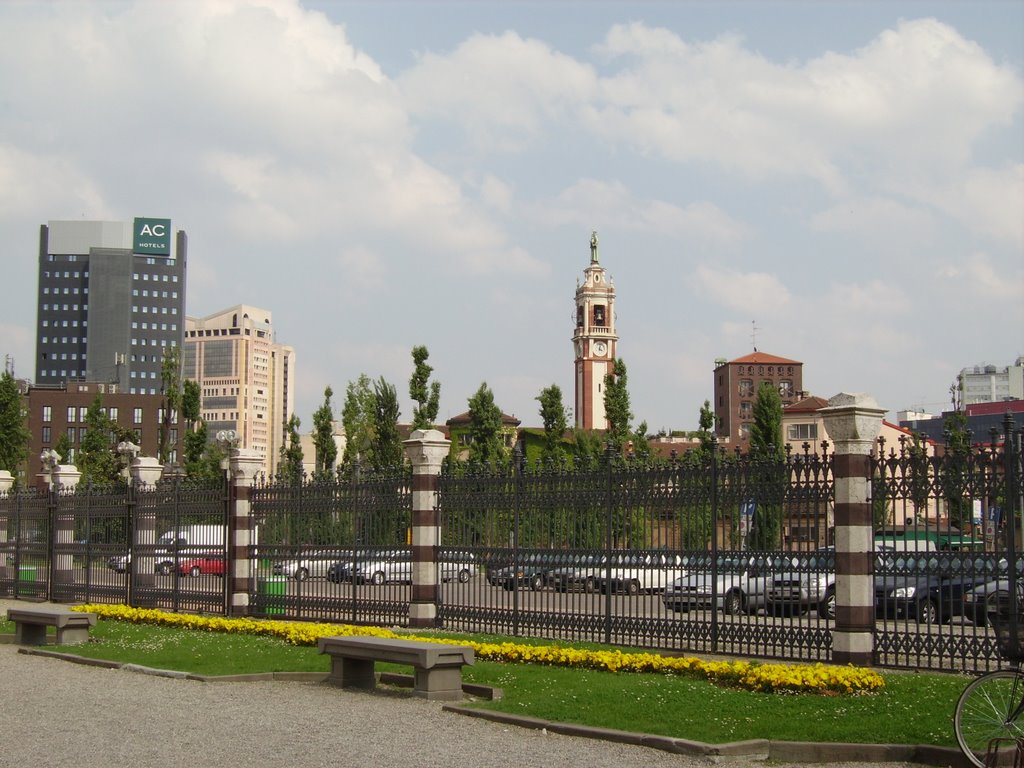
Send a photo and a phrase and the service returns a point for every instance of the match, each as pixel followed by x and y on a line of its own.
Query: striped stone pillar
pixel 63 479
pixel 146 472
pixel 6 489
pixel 243 466
pixel 853 422
pixel 425 449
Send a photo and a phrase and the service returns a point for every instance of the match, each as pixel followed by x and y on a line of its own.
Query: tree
pixel 356 417
pixel 486 444
pixel 956 474
pixel 555 418
pixel 64 449
pixel 616 405
pixel 14 433
pixel 97 458
pixel 587 447
pixel 290 468
pixel 766 451
pixel 706 431
pixel 190 403
pixel 385 448
pixel 170 380
pixel 426 394
pixel 641 448
pixel 323 436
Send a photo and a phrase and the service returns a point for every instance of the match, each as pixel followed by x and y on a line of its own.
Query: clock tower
pixel 594 341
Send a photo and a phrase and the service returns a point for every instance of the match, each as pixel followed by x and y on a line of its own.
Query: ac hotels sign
pixel 152 236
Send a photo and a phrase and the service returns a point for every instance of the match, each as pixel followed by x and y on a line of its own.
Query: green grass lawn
pixel 911 709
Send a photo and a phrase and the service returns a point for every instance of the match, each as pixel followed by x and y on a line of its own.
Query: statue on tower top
pixel 593 247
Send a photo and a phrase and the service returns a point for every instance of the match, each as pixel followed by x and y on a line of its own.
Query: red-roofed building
pixel 736 385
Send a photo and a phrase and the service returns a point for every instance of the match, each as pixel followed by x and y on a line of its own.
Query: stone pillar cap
pixel 855 400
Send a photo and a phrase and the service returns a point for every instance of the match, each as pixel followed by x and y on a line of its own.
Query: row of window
pixel 155 278
pixel 794 432
pixel 63 324
pixel 73 291
pixel 79 413
pixel 154 326
pixel 771 370
pixel 746 388
pixel 156 294
pixel 64 307
pixel 152 342
pixel 48 274
pixel 62 340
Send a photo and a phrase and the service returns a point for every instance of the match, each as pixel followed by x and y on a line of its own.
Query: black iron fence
pixel 715 554
pixel 156 546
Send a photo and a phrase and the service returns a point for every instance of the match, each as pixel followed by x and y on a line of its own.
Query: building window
pixel 599 315
pixel 72 412
pixel 82 412
pixel 802 432
pixel 113 413
pixel 46 435
pixel 72 434
pixel 47 413
pixel 785 388
pixel 744 431
pixel 746 409
pixel 137 416
pixel 746 388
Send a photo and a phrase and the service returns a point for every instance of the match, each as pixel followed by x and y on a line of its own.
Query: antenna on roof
pixel 753 334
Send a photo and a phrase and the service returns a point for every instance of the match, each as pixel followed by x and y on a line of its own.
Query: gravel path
pixel 53 713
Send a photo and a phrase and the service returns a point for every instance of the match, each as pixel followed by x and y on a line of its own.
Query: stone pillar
pixel 243 466
pixel 6 486
pixel 63 479
pixel 145 472
pixel 425 449
pixel 853 422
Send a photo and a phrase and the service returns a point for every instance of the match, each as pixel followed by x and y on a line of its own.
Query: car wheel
pixel 463 576
pixel 377 578
pixel 991 617
pixel 590 586
pixel 827 607
pixel 163 568
pixel 301 574
pixel 195 570
pixel 633 587
pixel 927 613
pixel 536 582
pixel 733 604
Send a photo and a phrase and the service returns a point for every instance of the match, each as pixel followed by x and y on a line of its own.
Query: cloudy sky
pixel 839 183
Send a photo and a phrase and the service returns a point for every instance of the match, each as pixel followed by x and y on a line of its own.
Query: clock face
pixel 600 348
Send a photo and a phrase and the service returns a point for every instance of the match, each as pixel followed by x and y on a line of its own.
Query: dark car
pixel 535 571
pixel 927 588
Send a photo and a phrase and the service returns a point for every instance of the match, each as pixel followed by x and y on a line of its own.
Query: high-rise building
pixel 992 384
pixel 736 385
pixel 111 300
pixel 594 341
pixel 246 379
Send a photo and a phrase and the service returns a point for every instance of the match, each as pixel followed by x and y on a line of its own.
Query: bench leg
pixel 444 684
pixel 352 673
pixel 72 635
pixel 30 634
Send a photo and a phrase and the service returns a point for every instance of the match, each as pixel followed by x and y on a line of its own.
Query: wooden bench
pixel 30 625
pixel 438 668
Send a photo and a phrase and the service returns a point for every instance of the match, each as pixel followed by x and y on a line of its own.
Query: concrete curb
pixel 755 749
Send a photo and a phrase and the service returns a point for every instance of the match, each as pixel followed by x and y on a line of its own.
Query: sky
pixel 836 183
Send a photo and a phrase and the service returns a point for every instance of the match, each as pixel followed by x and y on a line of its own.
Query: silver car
pixel 738 586
pixel 311 566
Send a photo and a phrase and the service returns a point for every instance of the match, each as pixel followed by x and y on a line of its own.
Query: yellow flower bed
pixel 815 678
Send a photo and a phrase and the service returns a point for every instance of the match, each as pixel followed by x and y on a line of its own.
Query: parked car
pixel 534 570
pixel 636 573
pixel 582 573
pixel 198 566
pixel 989 603
pixel 373 567
pixel 928 587
pixel 739 585
pixel 120 563
pixel 458 566
pixel 312 566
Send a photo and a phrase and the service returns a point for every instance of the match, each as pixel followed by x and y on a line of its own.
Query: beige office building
pixel 246 379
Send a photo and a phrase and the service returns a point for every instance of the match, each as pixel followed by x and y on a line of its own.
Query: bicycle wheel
pixel 986 718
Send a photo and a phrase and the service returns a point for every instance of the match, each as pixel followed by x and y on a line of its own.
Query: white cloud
pixel 754 293
pixel 981 279
pixel 613 204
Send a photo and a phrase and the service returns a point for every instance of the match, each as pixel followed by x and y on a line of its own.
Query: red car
pixel 197 566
